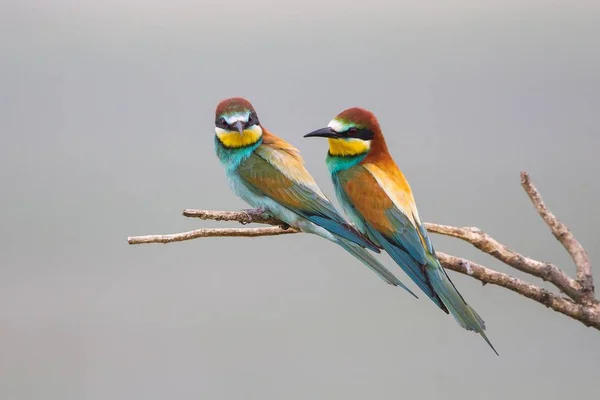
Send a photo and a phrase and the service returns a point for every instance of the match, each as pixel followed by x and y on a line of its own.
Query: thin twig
pixel 210 232
pixel 243 217
pixel 564 236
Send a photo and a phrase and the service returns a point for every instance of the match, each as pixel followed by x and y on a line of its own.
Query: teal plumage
pixel 269 174
pixel 377 198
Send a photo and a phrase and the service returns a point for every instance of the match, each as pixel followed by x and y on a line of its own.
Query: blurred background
pixel 106 117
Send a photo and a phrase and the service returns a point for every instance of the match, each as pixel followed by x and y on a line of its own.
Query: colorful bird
pixel 378 200
pixel 269 174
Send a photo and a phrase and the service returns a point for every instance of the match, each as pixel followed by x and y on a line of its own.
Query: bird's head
pixel 236 123
pixel 351 133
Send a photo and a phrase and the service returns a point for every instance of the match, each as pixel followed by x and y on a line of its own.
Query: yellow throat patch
pixel 234 139
pixel 348 147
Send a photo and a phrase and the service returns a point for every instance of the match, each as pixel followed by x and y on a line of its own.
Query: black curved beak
pixel 323 132
pixel 238 125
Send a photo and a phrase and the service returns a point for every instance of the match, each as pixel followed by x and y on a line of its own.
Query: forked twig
pixel 565 237
pixel 581 304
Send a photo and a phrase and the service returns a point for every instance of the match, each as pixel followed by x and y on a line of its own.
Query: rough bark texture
pixel 581 303
pixel 565 237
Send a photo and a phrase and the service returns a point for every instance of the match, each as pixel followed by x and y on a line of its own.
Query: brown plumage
pixel 379 200
pixel 233 105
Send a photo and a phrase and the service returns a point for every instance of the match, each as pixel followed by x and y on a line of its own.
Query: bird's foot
pixel 284 226
pixel 253 214
pixel 261 216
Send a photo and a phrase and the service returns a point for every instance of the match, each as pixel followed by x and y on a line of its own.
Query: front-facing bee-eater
pixel 378 200
pixel 269 174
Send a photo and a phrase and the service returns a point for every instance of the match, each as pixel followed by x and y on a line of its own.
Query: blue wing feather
pixel 404 245
pixel 339 228
pixel 409 265
pixel 406 235
pixel 410 247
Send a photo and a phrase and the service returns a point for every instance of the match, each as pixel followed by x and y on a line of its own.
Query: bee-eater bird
pixel 269 174
pixel 376 197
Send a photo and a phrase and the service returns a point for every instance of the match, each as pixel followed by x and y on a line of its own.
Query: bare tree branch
pixel 564 236
pixel 582 304
pixel 588 315
pixel 491 246
pixel 243 217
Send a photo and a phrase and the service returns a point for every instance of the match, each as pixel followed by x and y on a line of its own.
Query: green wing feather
pixel 301 199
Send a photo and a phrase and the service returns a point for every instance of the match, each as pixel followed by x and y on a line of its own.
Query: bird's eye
pixel 252 120
pixel 222 121
pixel 352 131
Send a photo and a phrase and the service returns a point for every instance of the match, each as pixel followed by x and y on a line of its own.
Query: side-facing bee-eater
pixel 269 174
pixel 378 200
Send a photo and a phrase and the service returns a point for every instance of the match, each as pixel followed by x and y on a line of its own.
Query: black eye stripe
pixel 222 123
pixel 252 120
pixel 358 133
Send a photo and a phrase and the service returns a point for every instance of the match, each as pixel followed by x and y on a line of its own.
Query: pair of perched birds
pixel 269 174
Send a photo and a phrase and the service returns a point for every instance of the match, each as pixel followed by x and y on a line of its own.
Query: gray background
pixel 106 116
